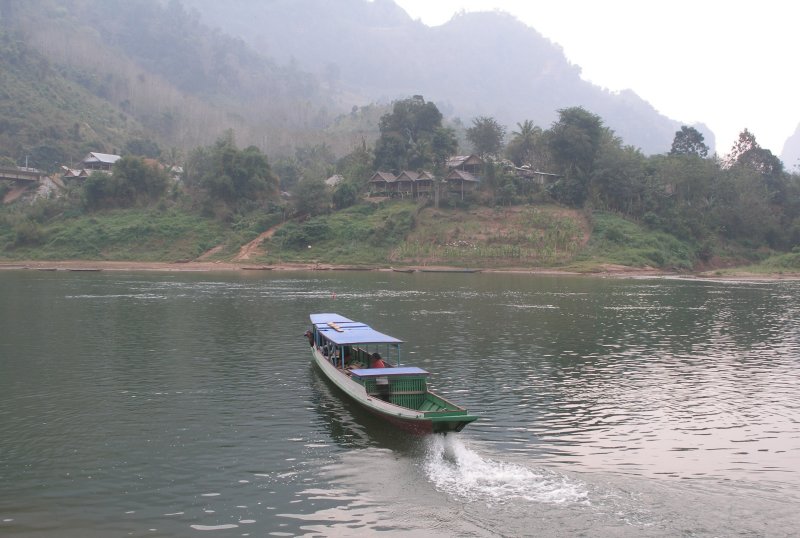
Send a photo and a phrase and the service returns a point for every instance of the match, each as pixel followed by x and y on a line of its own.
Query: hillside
pixel 139 69
pixel 46 116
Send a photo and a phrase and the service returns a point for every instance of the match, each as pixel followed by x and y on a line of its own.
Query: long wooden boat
pixel 347 353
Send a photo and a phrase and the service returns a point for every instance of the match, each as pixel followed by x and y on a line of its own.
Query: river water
pixel 185 404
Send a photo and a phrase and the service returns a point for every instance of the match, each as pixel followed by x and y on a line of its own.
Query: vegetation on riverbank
pixel 607 205
pixel 120 234
pixel 390 233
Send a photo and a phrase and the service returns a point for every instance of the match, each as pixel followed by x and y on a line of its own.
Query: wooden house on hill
pixel 100 161
pixel 404 184
pixel 381 183
pixel 467 163
pixel 424 184
pixel 460 182
pixel 73 173
pixel 93 162
pixel 462 177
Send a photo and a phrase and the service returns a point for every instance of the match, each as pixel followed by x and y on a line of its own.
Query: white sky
pixel 729 64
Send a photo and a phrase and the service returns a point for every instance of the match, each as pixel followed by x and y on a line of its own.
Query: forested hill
pixel 478 64
pixel 94 75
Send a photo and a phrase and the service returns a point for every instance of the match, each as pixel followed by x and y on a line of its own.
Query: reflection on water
pixel 186 403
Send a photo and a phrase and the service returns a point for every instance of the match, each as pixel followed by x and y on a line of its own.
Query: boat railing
pixel 399 385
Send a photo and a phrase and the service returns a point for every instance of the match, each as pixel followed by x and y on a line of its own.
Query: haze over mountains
pixel 92 75
pixel 476 64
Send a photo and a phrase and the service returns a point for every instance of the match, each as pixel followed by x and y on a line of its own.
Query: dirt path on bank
pixel 252 247
pixel 245 251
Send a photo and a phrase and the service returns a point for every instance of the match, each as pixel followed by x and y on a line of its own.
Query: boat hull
pixel 411 420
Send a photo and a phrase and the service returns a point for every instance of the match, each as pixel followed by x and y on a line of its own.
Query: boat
pixel 347 353
pixel 403 270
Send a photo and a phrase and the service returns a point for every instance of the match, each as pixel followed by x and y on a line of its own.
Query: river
pixel 185 404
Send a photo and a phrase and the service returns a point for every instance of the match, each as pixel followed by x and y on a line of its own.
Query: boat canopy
pixel 342 331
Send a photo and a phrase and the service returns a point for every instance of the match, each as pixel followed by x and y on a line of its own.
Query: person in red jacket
pixel 377 361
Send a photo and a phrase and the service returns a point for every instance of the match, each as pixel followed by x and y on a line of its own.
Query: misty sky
pixel 728 64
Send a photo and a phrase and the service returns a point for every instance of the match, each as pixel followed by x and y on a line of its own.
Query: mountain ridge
pixel 509 71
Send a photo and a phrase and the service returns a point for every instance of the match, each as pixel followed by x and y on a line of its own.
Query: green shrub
pixel 28 233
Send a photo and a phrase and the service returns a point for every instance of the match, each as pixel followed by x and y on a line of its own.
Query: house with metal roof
pixel 100 161
pixel 468 163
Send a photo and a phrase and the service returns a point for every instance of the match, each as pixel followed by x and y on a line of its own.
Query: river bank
pixel 220 266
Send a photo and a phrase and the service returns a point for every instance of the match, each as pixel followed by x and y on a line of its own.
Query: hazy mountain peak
pixel 791 151
pixel 478 63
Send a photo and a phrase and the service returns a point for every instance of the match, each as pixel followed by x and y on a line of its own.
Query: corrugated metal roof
pixel 342 331
pixel 94 157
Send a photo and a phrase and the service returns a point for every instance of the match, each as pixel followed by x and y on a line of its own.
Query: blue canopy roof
pixel 342 331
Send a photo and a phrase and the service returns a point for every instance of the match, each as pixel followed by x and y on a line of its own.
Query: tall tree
pixel 356 166
pixel 747 153
pixel 689 141
pixel 311 197
pixel 486 135
pixel 574 141
pixel 407 135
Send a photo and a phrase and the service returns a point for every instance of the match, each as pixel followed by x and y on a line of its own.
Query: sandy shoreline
pixel 207 266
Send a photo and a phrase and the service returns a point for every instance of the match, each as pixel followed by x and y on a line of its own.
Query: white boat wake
pixel 456 469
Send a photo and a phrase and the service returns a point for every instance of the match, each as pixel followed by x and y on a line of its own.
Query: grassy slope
pixel 142 235
pixel 515 237
pixel 391 233
pixel 616 241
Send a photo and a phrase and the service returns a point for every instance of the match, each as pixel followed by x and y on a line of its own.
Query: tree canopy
pixel 486 135
pixel 574 141
pixel 412 137
pixel 236 179
pixel 526 146
pixel 133 182
pixel 689 141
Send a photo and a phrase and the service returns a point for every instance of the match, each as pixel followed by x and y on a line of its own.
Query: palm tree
pixel 522 147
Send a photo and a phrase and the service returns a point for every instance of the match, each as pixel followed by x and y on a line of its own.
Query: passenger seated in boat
pixel 310 337
pixel 377 361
